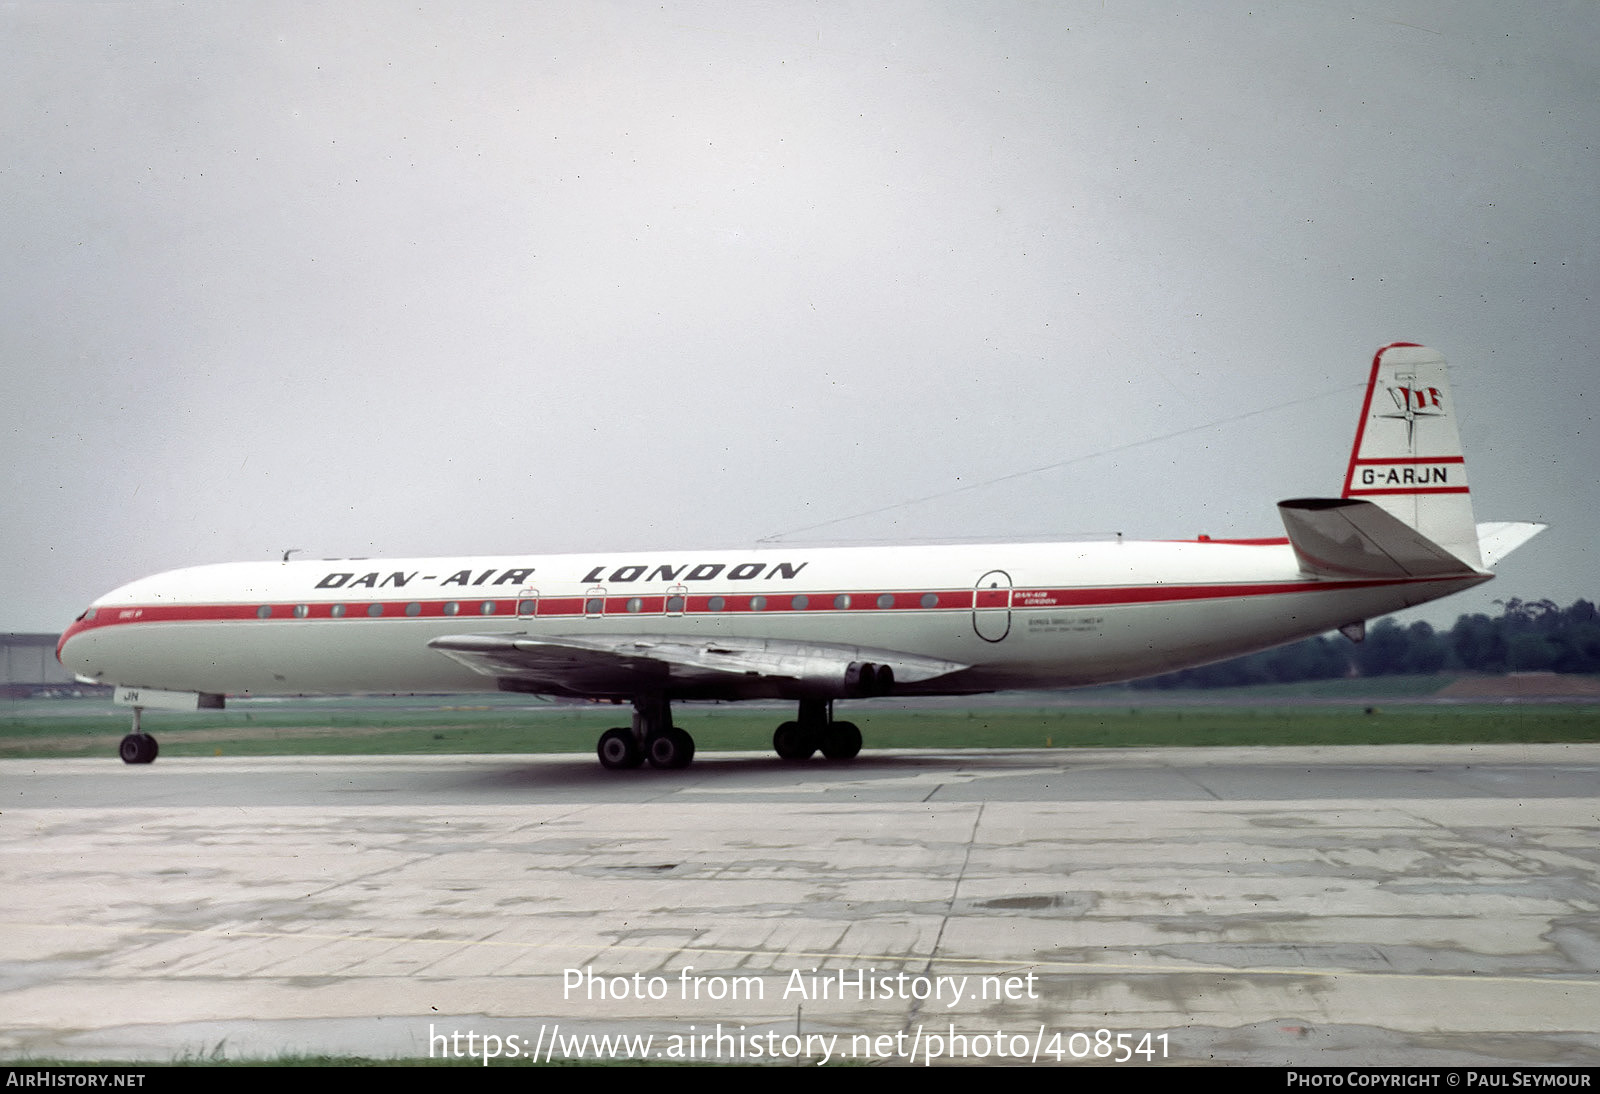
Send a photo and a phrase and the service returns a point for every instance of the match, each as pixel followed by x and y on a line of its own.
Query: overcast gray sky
pixel 489 278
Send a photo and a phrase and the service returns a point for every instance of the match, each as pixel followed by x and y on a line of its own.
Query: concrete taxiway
pixel 1319 906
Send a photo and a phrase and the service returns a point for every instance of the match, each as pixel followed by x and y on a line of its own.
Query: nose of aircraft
pixel 78 625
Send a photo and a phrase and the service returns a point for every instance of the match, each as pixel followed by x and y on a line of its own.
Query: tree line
pixel 1527 636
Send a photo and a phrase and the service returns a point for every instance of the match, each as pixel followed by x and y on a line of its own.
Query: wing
pixel 687 667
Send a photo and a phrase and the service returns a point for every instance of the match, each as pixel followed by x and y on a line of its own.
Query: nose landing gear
pixel 138 747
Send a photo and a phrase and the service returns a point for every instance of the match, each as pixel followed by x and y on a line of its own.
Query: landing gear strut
pixel 138 747
pixel 814 729
pixel 652 737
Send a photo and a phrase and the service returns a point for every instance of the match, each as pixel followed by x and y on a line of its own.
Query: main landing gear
pixel 138 747
pixel 815 730
pixel 653 737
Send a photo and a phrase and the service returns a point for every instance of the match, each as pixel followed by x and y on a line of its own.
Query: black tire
pixel 138 748
pixel 841 741
pixel 685 746
pixel 618 751
pixel 671 750
pixel 793 741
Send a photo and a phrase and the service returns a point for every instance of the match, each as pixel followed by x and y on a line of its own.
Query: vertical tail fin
pixel 1407 454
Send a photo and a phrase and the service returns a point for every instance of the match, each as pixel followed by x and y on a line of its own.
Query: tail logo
pixel 1411 403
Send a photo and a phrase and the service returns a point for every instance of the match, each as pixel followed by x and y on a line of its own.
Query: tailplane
pixel 1497 539
pixel 1350 538
pixel 1407 455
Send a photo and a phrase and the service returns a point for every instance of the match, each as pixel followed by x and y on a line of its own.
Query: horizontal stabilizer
pixel 1343 537
pixel 1498 539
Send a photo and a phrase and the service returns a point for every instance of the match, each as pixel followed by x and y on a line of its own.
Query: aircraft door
pixel 991 606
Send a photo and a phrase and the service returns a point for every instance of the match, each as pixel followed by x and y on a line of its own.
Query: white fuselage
pixel 1020 615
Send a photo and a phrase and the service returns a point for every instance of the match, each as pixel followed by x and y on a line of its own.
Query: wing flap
pixel 624 665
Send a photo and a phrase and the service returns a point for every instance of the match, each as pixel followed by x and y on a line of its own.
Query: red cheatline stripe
pixel 1262 541
pixel 467 612
pixel 1024 599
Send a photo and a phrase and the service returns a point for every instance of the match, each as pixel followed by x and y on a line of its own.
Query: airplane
pixel 815 626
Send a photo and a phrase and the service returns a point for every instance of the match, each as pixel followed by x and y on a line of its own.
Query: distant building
pixel 28 666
